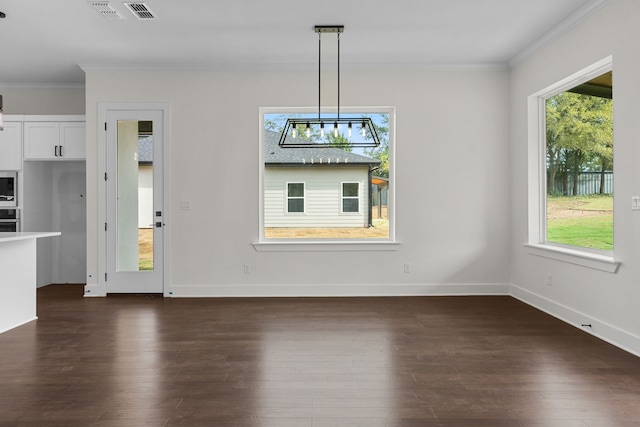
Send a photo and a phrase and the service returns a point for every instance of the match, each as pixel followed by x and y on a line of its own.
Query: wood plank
pixel 308 362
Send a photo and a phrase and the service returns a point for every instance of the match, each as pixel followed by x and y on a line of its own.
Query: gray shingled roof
pixel 275 155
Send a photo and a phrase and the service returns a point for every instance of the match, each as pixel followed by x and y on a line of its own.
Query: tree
pixel 579 137
pixel 340 141
pixel 381 152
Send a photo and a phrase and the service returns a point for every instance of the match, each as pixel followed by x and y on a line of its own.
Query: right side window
pixel 350 197
pixel 579 165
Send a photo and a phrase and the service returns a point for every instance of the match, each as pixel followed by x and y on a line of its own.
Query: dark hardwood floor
pixel 308 362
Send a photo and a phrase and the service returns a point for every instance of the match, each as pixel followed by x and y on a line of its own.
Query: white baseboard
pixel 95 290
pixel 332 290
pixel 606 332
pixel 5 329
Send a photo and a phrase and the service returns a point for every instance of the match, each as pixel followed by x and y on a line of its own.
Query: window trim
pixel 287 197
pixel 537 183
pixel 267 244
pixel 358 198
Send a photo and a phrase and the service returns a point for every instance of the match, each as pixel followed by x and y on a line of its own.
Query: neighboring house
pixel 316 187
pixel 145 182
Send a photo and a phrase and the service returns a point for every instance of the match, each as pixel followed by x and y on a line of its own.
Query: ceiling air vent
pixel 106 10
pixel 141 11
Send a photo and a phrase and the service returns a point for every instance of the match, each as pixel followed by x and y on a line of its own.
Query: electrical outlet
pixel 247 268
pixel 549 280
pixel 407 268
pixel 635 203
pixel 185 205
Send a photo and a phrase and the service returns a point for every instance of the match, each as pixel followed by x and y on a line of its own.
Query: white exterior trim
pixel 359 198
pixel 287 197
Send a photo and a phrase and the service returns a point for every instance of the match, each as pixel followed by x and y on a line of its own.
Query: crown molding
pixel 292 67
pixel 574 19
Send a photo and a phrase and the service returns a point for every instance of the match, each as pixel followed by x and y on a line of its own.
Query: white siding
pixel 145 196
pixel 323 196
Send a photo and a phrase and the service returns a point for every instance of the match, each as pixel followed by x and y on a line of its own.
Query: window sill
pixel 572 256
pixel 333 246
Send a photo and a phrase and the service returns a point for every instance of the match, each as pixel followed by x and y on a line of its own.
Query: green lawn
pixel 585 221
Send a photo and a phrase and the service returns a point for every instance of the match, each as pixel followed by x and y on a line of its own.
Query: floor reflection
pixel 314 365
pixel 136 364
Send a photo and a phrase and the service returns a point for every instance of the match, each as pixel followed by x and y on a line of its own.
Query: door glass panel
pixel 135 213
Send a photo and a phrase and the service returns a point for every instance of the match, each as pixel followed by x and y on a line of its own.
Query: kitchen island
pixel 18 278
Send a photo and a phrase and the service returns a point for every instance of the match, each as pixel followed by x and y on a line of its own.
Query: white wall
pixel 54 200
pixel 451 193
pixel 36 214
pixel 578 294
pixel 68 215
pixel 43 100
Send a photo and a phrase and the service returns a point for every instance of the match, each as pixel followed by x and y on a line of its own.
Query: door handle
pixel 55 150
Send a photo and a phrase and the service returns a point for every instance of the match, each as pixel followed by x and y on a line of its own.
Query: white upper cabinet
pixel 54 141
pixel 11 147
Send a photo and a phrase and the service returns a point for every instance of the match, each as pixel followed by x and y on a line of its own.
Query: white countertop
pixel 10 237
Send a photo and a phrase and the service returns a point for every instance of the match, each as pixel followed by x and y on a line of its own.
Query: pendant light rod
pixel 320 29
pixel 319 74
pixel 338 75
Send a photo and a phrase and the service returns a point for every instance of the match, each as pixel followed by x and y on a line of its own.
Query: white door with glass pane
pixel 134 201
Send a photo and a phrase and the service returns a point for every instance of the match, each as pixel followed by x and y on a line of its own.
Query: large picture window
pixel 571 181
pixel 332 188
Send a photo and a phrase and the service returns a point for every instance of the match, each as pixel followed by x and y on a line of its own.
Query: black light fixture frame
pixel 288 137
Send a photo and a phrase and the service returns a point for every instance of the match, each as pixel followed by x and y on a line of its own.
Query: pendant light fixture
pixel 290 137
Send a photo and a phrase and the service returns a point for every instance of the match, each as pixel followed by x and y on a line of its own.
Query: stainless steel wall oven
pixel 9 220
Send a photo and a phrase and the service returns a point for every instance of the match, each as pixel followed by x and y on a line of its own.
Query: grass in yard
pixel 145 248
pixel 585 221
pixel 380 230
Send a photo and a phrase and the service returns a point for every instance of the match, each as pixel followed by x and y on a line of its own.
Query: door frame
pixel 103 109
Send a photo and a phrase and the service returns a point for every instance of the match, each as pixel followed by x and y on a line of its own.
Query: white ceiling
pixel 44 41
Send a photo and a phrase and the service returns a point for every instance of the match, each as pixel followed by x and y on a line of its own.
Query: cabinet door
pixel 41 140
pixel 11 147
pixel 72 140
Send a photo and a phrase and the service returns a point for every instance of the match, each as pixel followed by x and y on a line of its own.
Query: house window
pixel 350 197
pixel 344 190
pixel 571 181
pixel 295 197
